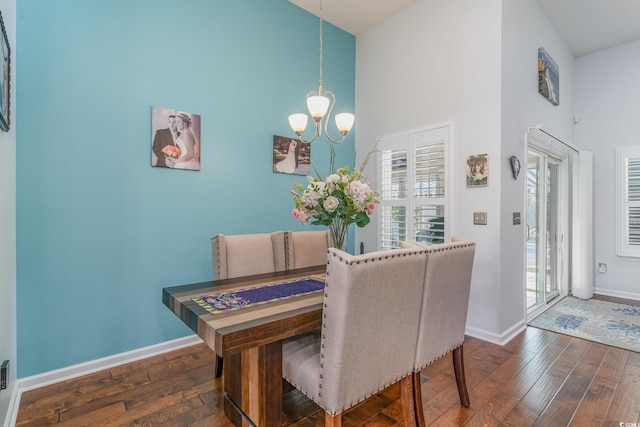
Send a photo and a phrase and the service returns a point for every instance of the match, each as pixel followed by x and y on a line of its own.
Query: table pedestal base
pixel 253 397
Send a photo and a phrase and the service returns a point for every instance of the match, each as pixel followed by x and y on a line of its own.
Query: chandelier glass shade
pixel 320 105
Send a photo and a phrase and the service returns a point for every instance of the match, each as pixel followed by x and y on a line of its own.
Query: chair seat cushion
pixel 301 363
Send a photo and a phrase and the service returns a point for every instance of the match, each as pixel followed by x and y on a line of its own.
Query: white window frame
pixel 623 248
pixel 409 141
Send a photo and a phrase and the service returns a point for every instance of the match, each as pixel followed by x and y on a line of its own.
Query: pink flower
pixel 292 192
pixel 370 208
pixel 303 216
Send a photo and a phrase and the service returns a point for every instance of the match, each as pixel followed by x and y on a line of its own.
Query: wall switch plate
pixel 4 374
pixel 480 218
pixel 602 267
pixel 517 218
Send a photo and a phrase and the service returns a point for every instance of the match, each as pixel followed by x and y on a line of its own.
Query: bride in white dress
pixel 186 142
pixel 288 165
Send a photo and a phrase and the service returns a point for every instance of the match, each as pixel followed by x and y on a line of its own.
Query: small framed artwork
pixel 5 89
pixel 291 156
pixel 175 140
pixel 548 77
pixel 478 170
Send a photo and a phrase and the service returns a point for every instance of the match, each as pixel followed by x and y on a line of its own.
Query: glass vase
pixel 338 234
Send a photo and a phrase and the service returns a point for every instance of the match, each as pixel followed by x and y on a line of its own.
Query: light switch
pixel 480 218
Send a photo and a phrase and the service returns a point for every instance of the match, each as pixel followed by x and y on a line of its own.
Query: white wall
pixel 8 224
pixel 525 29
pixel 608 103
pixel 474 63
pixel 436 61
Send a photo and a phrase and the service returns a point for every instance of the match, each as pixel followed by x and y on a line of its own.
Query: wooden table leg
pixel 253 386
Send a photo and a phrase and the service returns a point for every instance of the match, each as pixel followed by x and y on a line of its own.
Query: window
pixel 628 201
pixel 413 192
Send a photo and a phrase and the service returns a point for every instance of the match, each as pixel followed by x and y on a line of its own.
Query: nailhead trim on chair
pixel 380 258
pixel 287 254
pixel 217 257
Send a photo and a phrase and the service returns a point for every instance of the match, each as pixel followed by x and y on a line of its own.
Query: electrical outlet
pixel 480 218
pixel 602 267
pixel 4 374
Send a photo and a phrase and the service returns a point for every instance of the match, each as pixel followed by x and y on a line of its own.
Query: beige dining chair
pixel 245 255
pixel 306 248
pixel 240 255
pixel 444 312
pixel 368 338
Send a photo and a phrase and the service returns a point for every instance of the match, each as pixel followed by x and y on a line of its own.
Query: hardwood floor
pixel 539 378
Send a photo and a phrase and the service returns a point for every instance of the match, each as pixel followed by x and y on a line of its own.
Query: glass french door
pixel 544 235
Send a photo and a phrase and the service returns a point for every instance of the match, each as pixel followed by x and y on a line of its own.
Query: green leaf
pixel 362 219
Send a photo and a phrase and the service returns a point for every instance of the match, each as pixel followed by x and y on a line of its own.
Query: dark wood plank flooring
pixel 539 378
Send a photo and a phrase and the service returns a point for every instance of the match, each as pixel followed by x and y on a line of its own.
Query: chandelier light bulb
pixel 298 122
pixel 344 122
pixel 318 106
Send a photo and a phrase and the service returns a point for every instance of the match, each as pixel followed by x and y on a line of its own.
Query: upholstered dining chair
pixel 244 255
pixel 247 254
pixel 444 311
pixel 368 338
pixel 306 248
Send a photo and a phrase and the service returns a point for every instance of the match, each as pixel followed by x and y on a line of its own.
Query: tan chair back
pixel 247 254
pixel 445 300
pixel 306 248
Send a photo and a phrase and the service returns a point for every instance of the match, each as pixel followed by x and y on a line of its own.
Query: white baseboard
pixel 12 413
pixel 614 293
pixel 499 339
pixel 75 371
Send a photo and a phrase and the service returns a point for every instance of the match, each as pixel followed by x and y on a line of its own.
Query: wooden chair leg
pixel 417 399
pixel 407 402
pixel 458 367
pixel 217 367
pixel 332 421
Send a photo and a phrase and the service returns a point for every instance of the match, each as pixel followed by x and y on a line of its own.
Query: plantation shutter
pixel 628 161
pixel 413 177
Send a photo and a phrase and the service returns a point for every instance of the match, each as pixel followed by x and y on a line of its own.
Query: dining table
pixel 249 335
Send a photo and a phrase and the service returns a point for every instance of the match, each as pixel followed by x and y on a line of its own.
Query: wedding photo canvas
pixel 175 139
pixel 291 156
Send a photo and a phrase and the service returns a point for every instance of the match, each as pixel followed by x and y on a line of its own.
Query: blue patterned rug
pixel 605 322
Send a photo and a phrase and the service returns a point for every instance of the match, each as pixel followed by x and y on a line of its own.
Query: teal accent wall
pixel 99 231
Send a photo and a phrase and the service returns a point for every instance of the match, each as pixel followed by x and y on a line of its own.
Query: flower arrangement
pixel 171 151
pixel 338 201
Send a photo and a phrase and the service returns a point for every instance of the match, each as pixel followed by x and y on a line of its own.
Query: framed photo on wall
pixel 478 170
pixel 548 77
pixel 5 82
pixel 291 156
pixel 175 139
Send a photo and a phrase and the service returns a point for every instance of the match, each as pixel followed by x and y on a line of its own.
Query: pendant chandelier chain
pixel 320 81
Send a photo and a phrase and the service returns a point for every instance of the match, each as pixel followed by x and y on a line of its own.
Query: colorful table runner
pixel 250 297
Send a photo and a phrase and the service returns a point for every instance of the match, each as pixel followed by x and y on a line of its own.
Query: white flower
pixel 358 191
pixel 311 198
pixel 333 178
pixel 331 204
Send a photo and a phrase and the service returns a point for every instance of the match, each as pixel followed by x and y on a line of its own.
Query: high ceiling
pixel 586 25
pixel 353 16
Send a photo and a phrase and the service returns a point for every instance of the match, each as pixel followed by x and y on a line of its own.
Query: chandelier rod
pixel 320 81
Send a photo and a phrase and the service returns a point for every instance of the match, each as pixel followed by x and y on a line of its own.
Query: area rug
pixel 605 322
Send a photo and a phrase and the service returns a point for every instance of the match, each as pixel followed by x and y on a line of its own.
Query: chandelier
pixel 320 105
